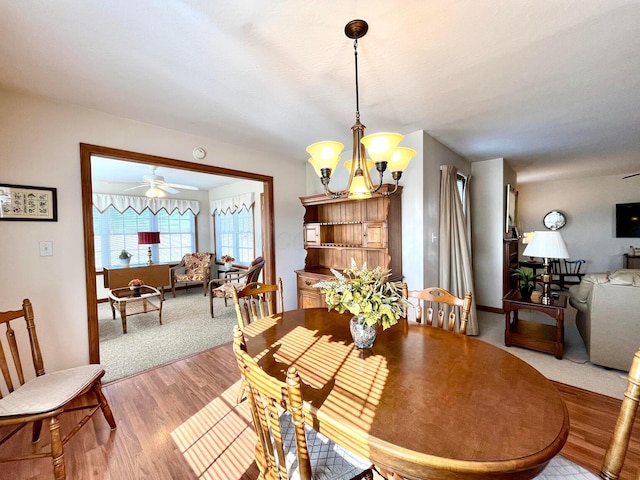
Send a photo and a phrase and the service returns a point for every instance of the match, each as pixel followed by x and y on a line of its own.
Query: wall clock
pixel 554 220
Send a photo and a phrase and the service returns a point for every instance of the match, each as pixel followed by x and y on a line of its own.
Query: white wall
pixel 487 210
pixel 39 145
pixel 589 204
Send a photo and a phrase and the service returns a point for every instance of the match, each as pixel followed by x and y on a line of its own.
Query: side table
pixel 130 302
pixel 532 334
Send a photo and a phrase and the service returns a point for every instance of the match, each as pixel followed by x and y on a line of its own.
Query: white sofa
pixel 608 316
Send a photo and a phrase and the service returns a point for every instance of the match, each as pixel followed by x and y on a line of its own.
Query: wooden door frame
pixel 87 150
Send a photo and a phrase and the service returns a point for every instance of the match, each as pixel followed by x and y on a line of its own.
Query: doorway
pixel 87 151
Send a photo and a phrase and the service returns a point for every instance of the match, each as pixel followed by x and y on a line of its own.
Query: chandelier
pixel 382 148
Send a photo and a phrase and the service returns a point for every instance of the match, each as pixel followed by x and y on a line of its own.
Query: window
pixel 234 234
pixel 115 231
pixel 461 180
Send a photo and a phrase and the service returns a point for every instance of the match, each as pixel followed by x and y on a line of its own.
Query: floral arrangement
pixel 227 258
pixel 124 255
pixel 366 294
pixel 136 282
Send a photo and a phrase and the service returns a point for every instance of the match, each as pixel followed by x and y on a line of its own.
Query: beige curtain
pixel 456 272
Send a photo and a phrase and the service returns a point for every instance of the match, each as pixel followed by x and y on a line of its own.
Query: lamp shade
pixel 380 146
pixel 401 158
pixel 546 244
pixel 148 238
pixel 325 154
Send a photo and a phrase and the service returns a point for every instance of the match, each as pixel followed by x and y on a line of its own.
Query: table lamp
pixel 546 244
pixel 149 238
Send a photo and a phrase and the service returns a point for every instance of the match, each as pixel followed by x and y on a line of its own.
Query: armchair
pixel 194 268
pixel 222 287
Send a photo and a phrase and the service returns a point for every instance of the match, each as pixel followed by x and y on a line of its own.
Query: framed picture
pixel 511 210
pixel 26 203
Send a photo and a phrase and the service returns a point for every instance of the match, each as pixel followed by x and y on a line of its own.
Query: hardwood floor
pixel 179 422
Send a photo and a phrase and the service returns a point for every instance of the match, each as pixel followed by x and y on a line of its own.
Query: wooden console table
pixel 531 334
pixel 156 275
pixel 631 261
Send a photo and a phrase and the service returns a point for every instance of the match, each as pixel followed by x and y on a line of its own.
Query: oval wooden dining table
pixel 423 402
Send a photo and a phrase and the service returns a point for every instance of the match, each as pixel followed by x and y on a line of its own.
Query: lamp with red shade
pixel 149 238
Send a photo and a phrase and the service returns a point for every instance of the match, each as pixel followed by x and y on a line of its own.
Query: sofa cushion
pixel 625 277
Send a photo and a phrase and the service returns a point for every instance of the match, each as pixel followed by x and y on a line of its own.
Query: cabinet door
pixel 311 235
pixel 374 234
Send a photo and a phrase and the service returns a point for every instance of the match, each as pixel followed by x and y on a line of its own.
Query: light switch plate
pixel 46 249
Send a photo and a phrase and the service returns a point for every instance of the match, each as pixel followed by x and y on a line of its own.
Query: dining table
pixel 423 402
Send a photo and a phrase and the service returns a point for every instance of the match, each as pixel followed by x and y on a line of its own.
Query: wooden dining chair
pixel 560 467
pixel 46 396
pixel 436 304
pixel 286 447
pixel 257 300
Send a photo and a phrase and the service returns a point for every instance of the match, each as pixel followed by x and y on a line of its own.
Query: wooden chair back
pixel 267 397
pixel 11 360
pixel 257 300
pixel 437 305
pixel 617 449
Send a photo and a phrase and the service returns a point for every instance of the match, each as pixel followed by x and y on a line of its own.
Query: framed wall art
pixel 26 203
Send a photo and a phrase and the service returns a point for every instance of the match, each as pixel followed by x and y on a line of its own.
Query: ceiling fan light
pixel 325 154
pixel 380 146
pixel 155 192
pixel 400 159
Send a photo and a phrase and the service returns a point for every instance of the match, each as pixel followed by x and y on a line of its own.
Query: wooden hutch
pixel 338 229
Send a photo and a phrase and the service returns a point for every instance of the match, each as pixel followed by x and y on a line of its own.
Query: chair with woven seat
pixel 285 447
pixel 195 268
pixel 222 287
pixel 256 301
pixel 47 395
pixel 560 467
pixel 437 304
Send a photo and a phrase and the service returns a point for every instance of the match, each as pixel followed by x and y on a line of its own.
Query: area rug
pixel 187 328
pixel 574 369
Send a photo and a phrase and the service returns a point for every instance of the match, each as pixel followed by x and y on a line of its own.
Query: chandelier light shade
pixel 382 148
pixel 546 244
pixel 149 238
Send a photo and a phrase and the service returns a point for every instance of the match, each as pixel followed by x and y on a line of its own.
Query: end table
pixel 532 334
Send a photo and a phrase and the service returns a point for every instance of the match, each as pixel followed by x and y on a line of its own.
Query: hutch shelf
pixel 335 230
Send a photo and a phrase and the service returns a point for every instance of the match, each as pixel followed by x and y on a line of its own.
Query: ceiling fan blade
pixel 167 188
pixel 184 187
pixel 632 175
pixel 137 186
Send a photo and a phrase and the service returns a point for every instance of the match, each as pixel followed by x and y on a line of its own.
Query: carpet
pixel 574 368
pixel 187 328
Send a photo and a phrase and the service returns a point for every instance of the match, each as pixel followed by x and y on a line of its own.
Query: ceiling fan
pixel 632 175
pixel 156 186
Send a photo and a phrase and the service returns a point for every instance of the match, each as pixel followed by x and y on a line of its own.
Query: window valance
pixel 232 204
pixel 102 201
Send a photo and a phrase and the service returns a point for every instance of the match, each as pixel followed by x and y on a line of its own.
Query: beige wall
pixel 589 204
pixel 39 145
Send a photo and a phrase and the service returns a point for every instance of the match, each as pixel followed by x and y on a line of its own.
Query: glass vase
pixel 363 335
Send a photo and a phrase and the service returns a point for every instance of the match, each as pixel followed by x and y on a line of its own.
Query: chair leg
pixel 56 449
pixel 37 426
pixel 173 288
pixel 211 303
pixel 104 405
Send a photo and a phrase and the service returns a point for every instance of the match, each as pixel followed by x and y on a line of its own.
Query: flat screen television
pixel 628 220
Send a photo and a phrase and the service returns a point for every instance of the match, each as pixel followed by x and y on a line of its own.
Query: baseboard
pixel 485 308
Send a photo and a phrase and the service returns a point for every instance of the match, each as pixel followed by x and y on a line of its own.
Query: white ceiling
pixel 551 85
